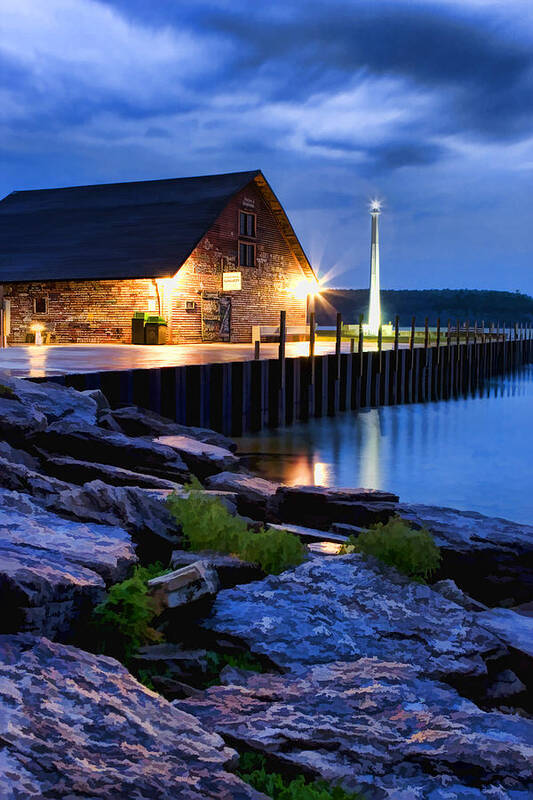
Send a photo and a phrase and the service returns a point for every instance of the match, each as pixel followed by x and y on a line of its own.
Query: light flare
pixel 305 288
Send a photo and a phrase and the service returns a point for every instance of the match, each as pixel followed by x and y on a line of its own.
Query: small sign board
pixel 231 281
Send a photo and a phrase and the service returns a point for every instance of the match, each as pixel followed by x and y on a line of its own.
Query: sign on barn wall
pixel 231 281
pixel 216 317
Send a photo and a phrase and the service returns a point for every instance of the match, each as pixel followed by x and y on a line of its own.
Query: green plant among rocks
pixel 412 552
pixel 7 393
pixel 123 621
pixel 217 661
pixel 253 770
pixel 207 525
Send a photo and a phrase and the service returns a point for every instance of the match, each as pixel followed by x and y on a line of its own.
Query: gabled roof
pixel 140 229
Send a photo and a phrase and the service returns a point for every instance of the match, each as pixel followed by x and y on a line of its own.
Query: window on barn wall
pixel 40 305
pixel 246 255
pixel 246 224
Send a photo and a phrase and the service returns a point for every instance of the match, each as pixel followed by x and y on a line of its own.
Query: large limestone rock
pixel 319 507
pixel 18 477
pixel 76 471
pixel 18 422
pixel 516 630
pixel 53 570
pixel 106 549
pixel 136 421
pixel 202 459
pixel 78 725
pixel 377 726
pixel 107 447
pixel 346 608
pixel 489 558
pixel 142 512
pixel 56 402
pixel 16 456
pixel 252 493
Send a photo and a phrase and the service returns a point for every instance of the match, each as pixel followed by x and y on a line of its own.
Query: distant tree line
pixel 454 304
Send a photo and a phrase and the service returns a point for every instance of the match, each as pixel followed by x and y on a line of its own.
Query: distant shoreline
pixel 454 304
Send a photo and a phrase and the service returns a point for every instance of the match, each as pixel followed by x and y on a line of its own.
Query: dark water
pixel 472 453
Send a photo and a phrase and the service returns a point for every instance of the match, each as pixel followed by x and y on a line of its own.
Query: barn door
pixel 216 317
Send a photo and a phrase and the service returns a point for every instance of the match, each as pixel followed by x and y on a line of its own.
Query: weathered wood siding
pixel 101 311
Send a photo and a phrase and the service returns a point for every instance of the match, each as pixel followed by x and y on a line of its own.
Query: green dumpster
pixel 137 326
pixel 155 330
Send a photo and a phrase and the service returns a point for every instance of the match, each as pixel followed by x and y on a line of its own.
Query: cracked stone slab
pixel 74 724
pixel 53 570
pixel 376 726
pixel 349 607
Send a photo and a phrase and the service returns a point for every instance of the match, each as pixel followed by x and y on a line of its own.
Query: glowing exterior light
pixel 305 288
pixel 374 306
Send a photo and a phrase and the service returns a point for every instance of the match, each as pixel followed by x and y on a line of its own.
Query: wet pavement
pixel 37 361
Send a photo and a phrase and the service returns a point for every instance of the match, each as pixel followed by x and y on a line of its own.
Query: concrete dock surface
pixel 38 361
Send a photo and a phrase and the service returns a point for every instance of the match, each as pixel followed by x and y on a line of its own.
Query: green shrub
pixel 252 769
pixel 123 621
pixel 8 393
pixel 207 525
pixel 412 552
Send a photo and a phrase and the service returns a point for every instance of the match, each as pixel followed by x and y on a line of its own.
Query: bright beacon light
pixel 374 306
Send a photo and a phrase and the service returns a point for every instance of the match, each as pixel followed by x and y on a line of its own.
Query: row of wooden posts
pixel 246 396
pixel 476 333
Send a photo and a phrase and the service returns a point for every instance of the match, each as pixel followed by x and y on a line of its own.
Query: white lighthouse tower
pixel 374 306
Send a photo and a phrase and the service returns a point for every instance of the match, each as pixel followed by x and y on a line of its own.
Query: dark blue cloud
pixel 300 49
pixel 441 122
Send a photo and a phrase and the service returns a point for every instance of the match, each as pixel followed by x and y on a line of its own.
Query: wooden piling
pixel 240 397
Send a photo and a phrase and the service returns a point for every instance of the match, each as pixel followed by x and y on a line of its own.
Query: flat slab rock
pixel 141 511
pixel 253 493
pixel 136 421
pixel 18 421
pixel 347 607
pixel 377 726
pixel 55 401
pixel 19 477
pixel 54 569
pixel 78 725
pixel 109 447
pixel 76 471
pixel 490 558
pixel 516 630
pixel 319 507
pixel 202 458
pixel 468 530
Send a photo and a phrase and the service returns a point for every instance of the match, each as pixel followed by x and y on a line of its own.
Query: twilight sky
pixel 427 104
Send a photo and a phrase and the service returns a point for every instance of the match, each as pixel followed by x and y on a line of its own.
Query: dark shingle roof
pixel 142 229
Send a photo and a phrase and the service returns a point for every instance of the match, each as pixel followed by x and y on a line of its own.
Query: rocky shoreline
pixel 363 678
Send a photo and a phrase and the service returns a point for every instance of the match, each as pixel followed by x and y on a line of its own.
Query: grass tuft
pixel 253 770
pixel 412 552
pixel 207 525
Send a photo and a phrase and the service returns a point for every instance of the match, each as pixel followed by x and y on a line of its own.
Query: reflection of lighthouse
pixel 374 306
pixel 370 448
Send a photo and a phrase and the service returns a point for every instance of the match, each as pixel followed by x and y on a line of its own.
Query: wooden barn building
pixel 212 255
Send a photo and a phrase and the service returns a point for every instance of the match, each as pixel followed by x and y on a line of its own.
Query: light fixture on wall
pixel 305 288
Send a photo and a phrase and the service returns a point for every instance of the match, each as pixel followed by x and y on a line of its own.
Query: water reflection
pixel 470 453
